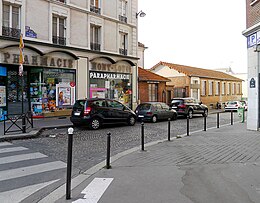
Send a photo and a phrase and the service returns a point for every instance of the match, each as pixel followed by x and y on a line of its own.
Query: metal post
pixel 231 114
pixel 218 120
pixel 169 129
pixel 69 163
pixel 188 125
pixel 108 166
pixel 142 136
pixel 31 119
pixel 205 122
pixel 23 123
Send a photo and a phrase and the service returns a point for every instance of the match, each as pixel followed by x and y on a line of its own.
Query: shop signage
pixel 106 75
pixel 252 83
pixel 116 68
pixel 38 60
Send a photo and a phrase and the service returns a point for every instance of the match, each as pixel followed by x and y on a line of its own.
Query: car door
pixel 117 111
pixel 101 109
pixel 166 111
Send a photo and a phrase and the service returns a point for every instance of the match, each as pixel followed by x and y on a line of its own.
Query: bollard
pixel 205 122
pixel 23 123
pixel 69 163
pixel 231 114
pixel 108 166
pixel 169 129
pixel 188 125
pixel 218 120
pixel 142 136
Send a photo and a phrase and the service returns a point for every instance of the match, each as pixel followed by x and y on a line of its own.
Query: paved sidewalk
pixel 219 165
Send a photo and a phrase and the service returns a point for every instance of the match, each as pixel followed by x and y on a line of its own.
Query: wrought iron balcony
pixel 123 18
pixel 95 10
pixel 59 40
pixel 11 32
pixel 95 46
pixel 62 1
pixel 123 51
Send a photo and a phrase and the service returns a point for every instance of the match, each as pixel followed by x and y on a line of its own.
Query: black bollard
pixel 169 129
pixel 231 117
pixel 205 122
pixel 23 123
pixel 108 166
pixel 218 120
pixel 142 136
pixel 188 125
pixel 69 163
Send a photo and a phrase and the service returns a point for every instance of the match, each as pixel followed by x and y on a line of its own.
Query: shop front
pixel 112 81
pixel 47 87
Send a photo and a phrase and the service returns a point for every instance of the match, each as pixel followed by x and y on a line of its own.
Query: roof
pixel 197 72
pixel 146 75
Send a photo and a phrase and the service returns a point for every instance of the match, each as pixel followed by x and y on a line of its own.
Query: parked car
pixel 233 105
pixel 153 111
pixel 244 104
pixel 96 112
pixel 188 107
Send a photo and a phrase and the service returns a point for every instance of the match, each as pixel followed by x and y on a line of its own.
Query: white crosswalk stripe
pixel 19 168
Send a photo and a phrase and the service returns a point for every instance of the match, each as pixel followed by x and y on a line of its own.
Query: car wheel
pixel 174 117
pixel 190 114
pixel 131 120
pixel 205 114
pixel 154 119
pixel 95 123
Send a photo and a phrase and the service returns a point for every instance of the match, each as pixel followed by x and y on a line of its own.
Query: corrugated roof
pixel 146 75
pixel 198 72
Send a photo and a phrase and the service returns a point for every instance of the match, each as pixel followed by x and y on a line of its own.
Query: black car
pixel 96 112
pixel 153 111
pixel 188 107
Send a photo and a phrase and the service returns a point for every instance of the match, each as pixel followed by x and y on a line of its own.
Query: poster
pixel 2 96
pixel 64 97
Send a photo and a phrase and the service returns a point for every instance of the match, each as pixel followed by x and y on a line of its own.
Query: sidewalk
pixel 200 167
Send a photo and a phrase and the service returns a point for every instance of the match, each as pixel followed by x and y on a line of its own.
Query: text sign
pixel 252 83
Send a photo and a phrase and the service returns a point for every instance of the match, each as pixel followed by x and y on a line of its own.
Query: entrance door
pixel 15 86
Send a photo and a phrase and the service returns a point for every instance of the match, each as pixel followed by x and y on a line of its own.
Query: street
pixel 45 169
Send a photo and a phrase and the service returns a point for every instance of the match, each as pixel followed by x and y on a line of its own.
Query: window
pixel 94 6
pixel 203 88
pixel 123 10
pixel 217 88
pixel 62 1
pixel 210 87
pixel 11 20
pixel 115 104
pixel 153 92
pixel 233 88
pixel 229 89
pixel 95 37
pixel 58 30
pixel 238 89
pixel 223 88
pixel 123 43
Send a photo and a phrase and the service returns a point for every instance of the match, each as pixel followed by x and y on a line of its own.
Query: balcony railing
pixel 95 46
pixel 123 51
pixel 11 32
pixel 59 40
pixel 62 1
pixel 123 18
pixel 95 10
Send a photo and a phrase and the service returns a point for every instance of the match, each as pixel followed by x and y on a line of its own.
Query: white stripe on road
pixel 21 157
pixel 30 170
pixel 94 191
pixel 17 195
pixel 5 144
pixel 12 149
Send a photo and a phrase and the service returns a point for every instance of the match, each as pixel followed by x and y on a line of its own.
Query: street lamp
pixel 141 14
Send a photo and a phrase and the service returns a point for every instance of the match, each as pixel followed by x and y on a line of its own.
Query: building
pixel 209 86
pixel 152 87
pixel 252 33
pixel 73 49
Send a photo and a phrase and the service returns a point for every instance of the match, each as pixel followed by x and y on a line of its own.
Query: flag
pixel 21 57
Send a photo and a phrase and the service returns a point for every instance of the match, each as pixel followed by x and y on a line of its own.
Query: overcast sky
pixel 199 33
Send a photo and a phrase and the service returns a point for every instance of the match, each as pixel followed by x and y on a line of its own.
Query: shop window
pixel 59 30
pixel 153 92
pixel 11 20
pixel 3 103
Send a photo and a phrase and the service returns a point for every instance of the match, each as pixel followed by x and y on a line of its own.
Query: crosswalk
pixel 24 172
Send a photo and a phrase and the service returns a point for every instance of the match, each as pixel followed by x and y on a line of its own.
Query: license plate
pixel 140 116
pixel 76 113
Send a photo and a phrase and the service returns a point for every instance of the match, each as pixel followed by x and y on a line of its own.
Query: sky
pixel 199 33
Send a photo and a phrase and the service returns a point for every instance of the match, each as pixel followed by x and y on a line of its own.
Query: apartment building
pixel 73 49
pixel 209 86
pixel 252 33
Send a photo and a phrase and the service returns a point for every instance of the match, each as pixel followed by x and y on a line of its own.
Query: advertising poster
pixel 65 94
pixel 2 96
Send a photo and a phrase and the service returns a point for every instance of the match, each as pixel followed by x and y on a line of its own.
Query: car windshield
pixel 177 101
pixel 144 106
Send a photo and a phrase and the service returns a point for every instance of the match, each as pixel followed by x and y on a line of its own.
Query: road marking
pixel 12 149
pixel 94 191
pixel 17 195
pixel 30 170
pixel 21 157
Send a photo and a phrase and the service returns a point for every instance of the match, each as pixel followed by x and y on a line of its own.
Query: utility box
pixel 241 114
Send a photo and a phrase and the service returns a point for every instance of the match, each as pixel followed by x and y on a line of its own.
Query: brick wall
pixel 252 13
